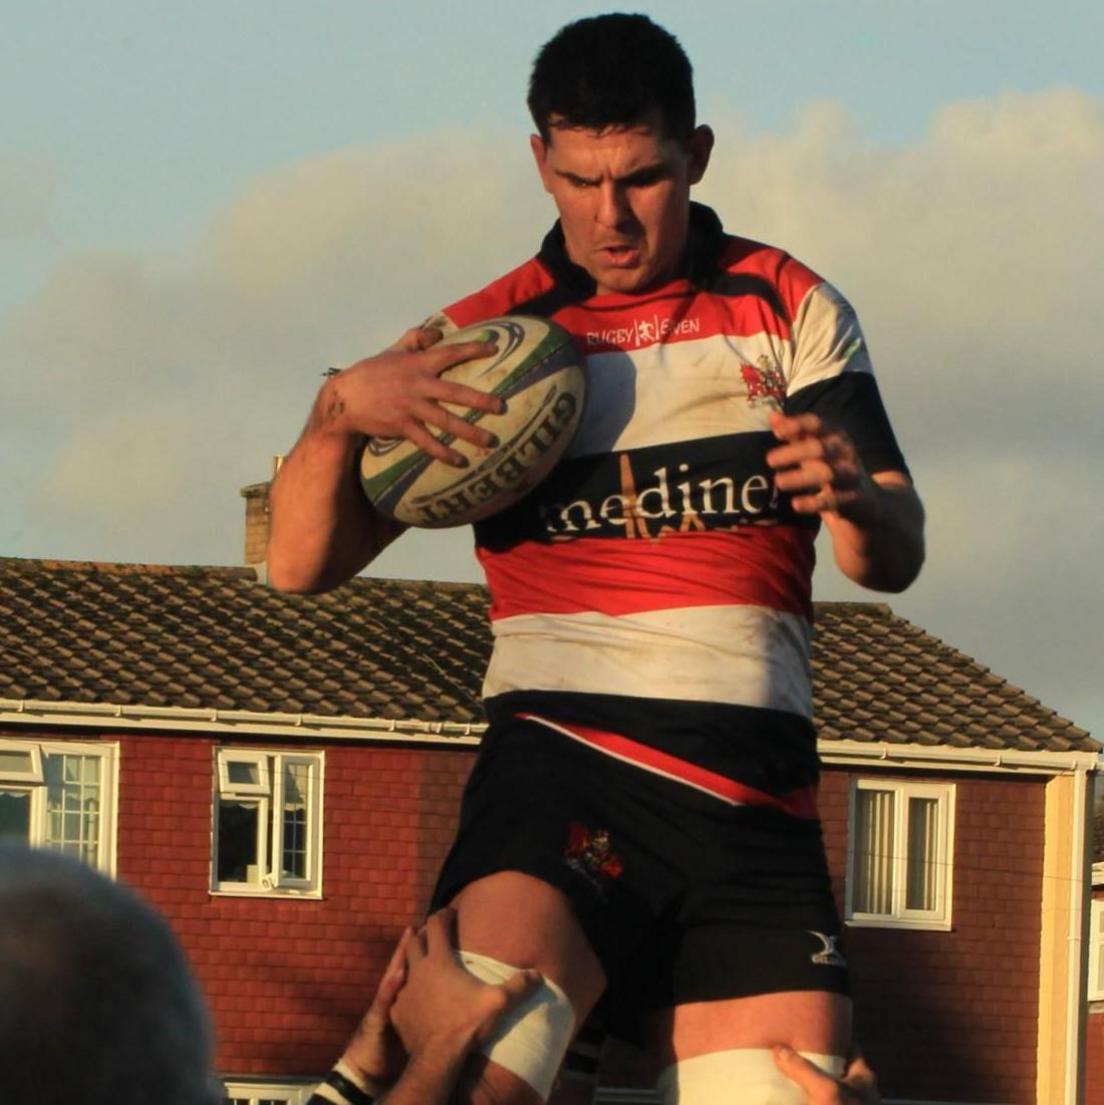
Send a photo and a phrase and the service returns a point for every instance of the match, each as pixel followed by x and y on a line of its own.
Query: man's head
pixel 617 148
pixel 96 1001
pixel 610 71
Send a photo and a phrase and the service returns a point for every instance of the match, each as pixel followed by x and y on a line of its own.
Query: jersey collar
pixel 704 242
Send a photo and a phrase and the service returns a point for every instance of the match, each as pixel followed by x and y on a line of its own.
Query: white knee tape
pixel 745 1075
pixel 531 1039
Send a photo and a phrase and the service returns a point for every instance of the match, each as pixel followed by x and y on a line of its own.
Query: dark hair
pixel 609 71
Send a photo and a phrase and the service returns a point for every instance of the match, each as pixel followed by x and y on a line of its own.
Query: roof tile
pixel 215 638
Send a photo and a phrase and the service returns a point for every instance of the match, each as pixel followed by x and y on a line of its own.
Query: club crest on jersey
pixel 764 382
pixel 829 955
pixel 588 851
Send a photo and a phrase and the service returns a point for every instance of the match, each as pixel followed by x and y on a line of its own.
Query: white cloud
pixel 148 388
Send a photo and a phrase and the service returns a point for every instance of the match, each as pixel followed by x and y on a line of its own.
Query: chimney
pixel 257 522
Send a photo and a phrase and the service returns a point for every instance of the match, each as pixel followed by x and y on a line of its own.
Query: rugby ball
pixel 539 374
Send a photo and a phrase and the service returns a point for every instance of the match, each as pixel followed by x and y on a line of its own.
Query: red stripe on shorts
pixel 797 803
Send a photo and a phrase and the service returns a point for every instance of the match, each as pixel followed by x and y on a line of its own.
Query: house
pixel 279 775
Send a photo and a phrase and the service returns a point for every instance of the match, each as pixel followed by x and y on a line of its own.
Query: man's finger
pixel 456 426
pixel 445 356
pixel 860 1077
pixel 394 976
pixel 799 1070
pixel 418 338
pixel 788 427
pixel 438 930
pixel 398 956
pixel 418 435
pixel 460 395
pixel 416 947
pixel 519 986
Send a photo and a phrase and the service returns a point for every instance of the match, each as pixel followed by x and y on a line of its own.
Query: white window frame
pixel 268 796
pixel 34 783
pixel 1095 981
pixel 938 919
pixel 269 1091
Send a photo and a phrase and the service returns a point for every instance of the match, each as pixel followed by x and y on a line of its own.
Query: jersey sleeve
pixel 831 376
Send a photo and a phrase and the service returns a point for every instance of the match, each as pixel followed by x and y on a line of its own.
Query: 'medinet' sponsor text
pixel 672 501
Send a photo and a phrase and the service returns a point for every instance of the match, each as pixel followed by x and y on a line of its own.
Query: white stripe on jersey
pixel 738 655
pixel 662 394
pixel 830 341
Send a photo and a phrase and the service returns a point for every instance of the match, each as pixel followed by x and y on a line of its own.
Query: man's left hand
pixel 819 466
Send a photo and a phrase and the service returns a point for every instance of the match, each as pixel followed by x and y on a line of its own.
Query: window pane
pixel 296 790
pixel 923 826
pixel 73 805
pixel 242 771
pixel 15 814
pixel 238 828
pixel 16 762
pixel 873 866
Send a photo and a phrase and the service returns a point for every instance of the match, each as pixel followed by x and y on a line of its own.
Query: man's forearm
pixel 883 547
pixel 323 530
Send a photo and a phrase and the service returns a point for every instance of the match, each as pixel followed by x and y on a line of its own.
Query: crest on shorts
pixel 588 851
pixel 764 382
pixel 829 955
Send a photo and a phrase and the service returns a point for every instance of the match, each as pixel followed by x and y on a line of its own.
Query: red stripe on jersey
pixel 676 314
pixel 599 323
pixel 766 566
pixel 797 803
pixel 526 282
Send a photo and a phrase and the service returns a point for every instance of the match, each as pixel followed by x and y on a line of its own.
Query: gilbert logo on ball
pixel 538 373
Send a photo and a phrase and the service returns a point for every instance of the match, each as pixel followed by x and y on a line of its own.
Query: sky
pixel 202 206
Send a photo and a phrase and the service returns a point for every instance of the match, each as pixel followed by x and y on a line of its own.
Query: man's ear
pixel 700 145
pixel 540 156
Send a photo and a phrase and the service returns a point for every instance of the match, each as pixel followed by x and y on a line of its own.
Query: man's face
pixel 624 198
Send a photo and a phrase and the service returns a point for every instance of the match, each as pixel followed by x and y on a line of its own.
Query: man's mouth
pixel 621 256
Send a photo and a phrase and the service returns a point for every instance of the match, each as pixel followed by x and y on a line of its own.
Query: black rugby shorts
pixel 683 897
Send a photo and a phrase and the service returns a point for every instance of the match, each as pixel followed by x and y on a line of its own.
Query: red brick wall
pixel 952 1016
pixel 287 979
pixel 1094 1045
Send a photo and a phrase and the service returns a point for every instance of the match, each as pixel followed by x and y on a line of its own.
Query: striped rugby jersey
pixel 656 585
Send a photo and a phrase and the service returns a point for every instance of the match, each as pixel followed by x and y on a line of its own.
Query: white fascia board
pixel 313 726
pixel 923 757
pixel 240 722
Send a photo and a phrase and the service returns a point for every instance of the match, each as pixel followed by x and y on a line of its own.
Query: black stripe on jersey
pixel 710 483
pixel 548 303
pixel 704 244
pixel 852 402
pixel 771 750
pixel 733 285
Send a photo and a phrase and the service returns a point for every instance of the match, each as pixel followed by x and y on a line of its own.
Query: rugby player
pixel 641 826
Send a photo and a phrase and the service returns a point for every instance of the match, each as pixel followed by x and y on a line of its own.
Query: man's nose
pixel 613 206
